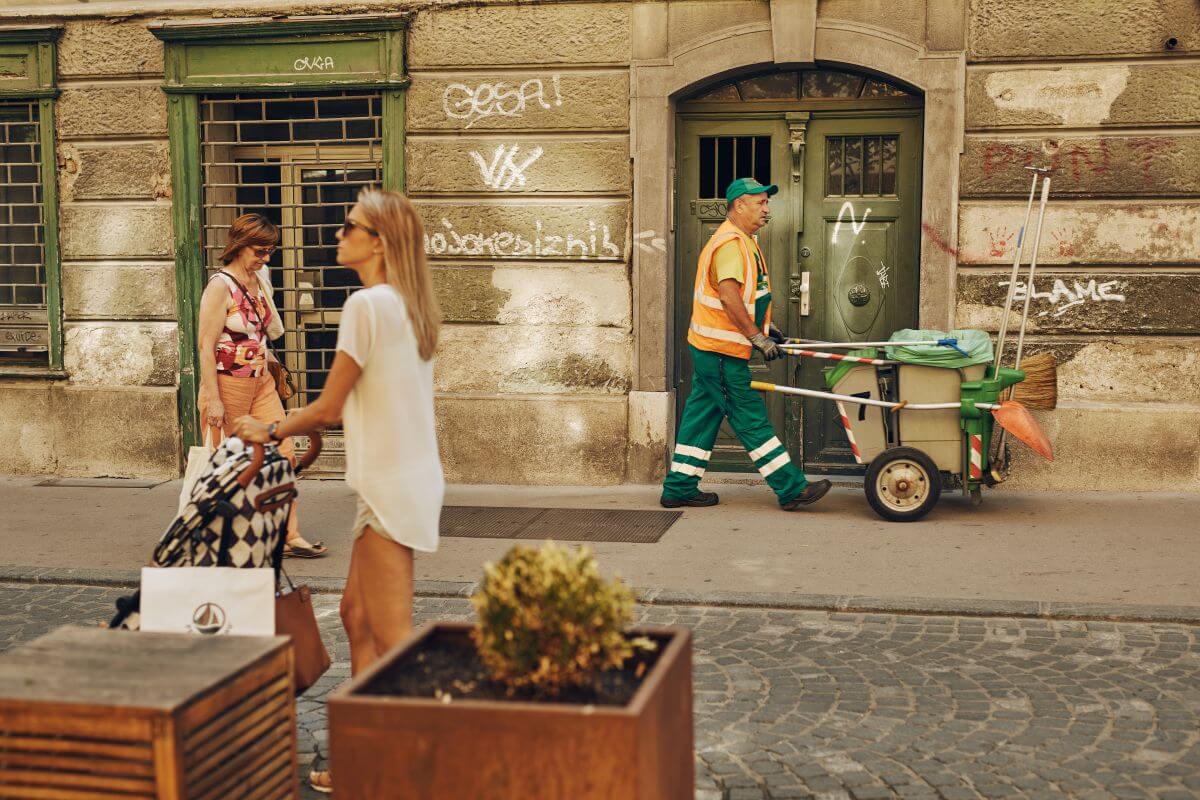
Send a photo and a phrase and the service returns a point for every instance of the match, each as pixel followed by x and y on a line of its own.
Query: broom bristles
pixel 1039 390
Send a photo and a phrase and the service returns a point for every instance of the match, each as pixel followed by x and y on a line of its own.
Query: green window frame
pixel 285 55
pixel 27 77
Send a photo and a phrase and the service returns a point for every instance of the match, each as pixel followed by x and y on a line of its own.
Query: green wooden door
pixel 860 246
pixel 710 154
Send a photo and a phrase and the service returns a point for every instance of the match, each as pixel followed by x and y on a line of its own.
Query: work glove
pixel 770 351
pixel 777 336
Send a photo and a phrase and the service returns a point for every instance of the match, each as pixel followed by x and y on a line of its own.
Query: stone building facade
pixel 563 156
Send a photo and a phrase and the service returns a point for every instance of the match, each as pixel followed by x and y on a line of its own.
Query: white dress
pixel 391 441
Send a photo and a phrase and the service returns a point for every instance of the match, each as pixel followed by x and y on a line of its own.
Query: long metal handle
pixel 1012 281
pixel 878 362
pixel 862 401
pixel 1037 240
pixel 810 345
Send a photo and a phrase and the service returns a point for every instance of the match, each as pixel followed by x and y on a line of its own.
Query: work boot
pixel 698 500
pixel 811 494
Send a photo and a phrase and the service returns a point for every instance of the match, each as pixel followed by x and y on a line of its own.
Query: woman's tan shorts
pixel 364 517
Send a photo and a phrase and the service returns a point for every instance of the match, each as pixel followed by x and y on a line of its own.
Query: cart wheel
pixel 976 496
pixel 902 484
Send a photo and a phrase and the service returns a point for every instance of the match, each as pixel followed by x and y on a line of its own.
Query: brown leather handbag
pixel 294 617
pixel 284 387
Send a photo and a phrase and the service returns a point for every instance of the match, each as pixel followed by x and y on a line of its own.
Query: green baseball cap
pixel 748 186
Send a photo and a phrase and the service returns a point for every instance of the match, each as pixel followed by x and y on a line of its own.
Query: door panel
pixel 710 154
pixel 861 221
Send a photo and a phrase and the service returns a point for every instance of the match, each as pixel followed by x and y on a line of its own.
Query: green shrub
pixel 548 620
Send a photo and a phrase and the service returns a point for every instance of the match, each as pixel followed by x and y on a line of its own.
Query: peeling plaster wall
pixel 517 154
pixel 1090 89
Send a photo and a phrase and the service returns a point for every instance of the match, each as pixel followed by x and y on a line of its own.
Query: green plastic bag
pixel 972 347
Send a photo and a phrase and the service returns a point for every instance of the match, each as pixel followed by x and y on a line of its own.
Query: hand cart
pixel 919 427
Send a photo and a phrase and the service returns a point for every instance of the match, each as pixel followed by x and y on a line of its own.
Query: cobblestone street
pixel 793 704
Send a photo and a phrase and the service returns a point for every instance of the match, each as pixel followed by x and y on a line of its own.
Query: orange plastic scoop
pixel 1016 419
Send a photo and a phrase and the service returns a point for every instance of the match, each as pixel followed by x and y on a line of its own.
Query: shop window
pixel 30 321
pixel 289 117
pixel 300 159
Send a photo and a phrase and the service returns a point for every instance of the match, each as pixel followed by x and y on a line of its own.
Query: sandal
pixel 302 549
pixel 321 781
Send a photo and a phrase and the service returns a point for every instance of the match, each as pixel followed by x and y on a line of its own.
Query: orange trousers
pixel 256 397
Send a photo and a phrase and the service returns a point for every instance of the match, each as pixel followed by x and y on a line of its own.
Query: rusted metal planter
pixel 467 749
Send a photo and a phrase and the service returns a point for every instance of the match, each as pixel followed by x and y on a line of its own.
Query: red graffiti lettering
pixel 991 161
pixel 1148 150
pixel 1079 155
pixel 938 240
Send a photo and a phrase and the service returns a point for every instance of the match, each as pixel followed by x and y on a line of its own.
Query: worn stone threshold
pixel 926 606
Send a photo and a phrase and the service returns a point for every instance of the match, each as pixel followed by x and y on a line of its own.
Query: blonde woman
pixel 237 317
pixel 381 388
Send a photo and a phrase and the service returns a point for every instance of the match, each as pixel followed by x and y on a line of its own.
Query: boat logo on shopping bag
pixel 208 618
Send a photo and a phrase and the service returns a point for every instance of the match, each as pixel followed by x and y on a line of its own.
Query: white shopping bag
pixel 209 600
pixel 197 461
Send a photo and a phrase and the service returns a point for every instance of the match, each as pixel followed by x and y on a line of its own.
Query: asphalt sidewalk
pixel 1099 555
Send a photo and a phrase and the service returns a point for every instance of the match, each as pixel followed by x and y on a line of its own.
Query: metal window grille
pixel 299 159
pixel 861 166
pixel 24 322
pixel 725 158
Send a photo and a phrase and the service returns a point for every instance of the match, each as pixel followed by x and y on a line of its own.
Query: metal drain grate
pixel 560 524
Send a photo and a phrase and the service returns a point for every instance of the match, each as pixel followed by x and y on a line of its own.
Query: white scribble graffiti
pixel 656 243
pixel 595 243
pixel 314 64
pixel 502 99
pixel 1063 298
pixel 848 208
pixel 882 274
pixel 504 172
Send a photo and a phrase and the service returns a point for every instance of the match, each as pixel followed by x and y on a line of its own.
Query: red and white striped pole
pixel 976 447
pixel 849 431
pixel 878 362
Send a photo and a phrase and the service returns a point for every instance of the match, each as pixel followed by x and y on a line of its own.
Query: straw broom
pixel 1039 390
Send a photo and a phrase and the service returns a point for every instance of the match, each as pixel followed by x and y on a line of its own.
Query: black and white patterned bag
pixel 236 517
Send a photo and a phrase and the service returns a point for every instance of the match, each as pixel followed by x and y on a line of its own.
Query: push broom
pixel 1040 388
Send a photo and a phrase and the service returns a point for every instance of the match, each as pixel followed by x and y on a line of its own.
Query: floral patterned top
pixel 242 345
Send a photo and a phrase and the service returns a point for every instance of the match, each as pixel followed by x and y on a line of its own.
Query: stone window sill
pixel 35 373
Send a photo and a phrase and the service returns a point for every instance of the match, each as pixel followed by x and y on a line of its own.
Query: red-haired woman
pixel 235 313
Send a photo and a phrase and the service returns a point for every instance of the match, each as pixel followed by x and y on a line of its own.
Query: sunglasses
pixel 349 225
pixel 263 252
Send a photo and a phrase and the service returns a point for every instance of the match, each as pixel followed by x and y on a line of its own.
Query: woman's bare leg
pixel 381 575
pixel 354 617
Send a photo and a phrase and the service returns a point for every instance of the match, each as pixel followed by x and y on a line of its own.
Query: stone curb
pixel 967 607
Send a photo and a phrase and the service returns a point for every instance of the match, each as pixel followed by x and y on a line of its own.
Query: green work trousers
pixel 720 390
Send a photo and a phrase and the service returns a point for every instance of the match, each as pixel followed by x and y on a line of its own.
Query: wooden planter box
pixel 476 749
pixel 90 713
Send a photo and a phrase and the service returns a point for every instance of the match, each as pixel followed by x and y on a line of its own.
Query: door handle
pixel 800 291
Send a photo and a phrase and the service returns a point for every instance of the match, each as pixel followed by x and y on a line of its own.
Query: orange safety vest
pixel 711 327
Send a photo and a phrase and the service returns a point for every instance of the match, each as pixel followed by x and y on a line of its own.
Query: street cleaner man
pixel 731 317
